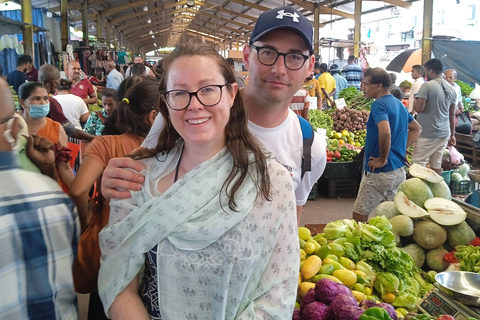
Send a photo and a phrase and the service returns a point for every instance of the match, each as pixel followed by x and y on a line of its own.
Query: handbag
pixel 87 263
pixel 463 123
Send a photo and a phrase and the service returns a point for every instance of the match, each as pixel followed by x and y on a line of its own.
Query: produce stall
pixel 398 264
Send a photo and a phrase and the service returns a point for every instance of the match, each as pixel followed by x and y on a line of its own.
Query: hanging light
pixel 150 32
pixel 190 3
pixel 149 20
pixel 145 8
pixel 153 37
pixel 155 44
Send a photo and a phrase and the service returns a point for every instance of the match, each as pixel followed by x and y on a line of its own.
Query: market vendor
pixel 390 131
pixel 81 87
pixel 451 75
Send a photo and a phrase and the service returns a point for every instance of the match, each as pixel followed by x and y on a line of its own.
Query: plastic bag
pixel 463 123
pixel 457 157
pixel 452 159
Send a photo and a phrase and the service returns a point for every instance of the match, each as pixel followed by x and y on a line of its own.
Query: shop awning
pixel 9 26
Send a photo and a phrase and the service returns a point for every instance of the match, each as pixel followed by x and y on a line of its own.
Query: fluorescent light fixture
pixel 149 20
pixel 150 32
pixel 145 8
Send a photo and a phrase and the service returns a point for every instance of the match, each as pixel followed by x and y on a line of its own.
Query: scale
pixel 436 303
pixel 474 197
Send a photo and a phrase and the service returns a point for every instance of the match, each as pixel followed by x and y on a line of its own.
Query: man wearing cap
pixel 278 58
pixel 340 82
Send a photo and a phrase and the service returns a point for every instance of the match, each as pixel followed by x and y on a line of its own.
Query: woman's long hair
pixel 239 141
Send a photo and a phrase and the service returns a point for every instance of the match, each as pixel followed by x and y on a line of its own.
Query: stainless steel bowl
pixel 474 175
pixel 461 286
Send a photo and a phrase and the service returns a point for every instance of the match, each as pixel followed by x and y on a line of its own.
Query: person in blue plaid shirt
pixel 353 73
pixel 39 230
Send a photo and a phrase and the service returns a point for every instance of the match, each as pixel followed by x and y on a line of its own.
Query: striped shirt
pixel 39 229
pixel 299 102
pixel 353 73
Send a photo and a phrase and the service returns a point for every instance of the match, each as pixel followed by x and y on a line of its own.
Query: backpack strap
pixel 308 136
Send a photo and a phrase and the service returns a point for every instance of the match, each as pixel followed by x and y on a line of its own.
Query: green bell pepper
pixel 375 313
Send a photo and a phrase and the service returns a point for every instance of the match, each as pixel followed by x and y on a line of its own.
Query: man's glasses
pixel 207 96
pixel 268 57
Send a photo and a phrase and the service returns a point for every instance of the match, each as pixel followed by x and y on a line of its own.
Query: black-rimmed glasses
pixel 207 96
pixel 268 56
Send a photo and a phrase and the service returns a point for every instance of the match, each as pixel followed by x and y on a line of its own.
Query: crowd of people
pixel 187 200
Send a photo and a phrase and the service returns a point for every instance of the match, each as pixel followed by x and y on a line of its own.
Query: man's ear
pixel 246 56
pixel 311 65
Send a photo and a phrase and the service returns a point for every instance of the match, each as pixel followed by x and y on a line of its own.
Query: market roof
pixel 174 21
pixel 9 26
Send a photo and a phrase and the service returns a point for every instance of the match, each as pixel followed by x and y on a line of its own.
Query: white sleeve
pixel 82 107
pixel 152 137
pixel 274 298
pixel 319 160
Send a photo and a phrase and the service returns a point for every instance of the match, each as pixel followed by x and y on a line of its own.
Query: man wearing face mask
pixel 35 213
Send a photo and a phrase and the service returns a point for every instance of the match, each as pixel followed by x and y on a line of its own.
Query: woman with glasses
pixel 213 227
pixel 135 115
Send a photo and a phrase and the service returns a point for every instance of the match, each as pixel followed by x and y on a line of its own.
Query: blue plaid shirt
pixel 39 229
pixel 354 75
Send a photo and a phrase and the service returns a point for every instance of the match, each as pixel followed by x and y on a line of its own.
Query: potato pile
pixel 349 119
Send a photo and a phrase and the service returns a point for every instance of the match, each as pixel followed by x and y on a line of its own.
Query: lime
pixel 309 248
pixel 304 233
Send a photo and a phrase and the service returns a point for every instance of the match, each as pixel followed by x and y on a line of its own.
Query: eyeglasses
pixel 207 96
pixel 268 57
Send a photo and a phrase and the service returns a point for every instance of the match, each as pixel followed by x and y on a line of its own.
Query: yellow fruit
pixel 333 257
pixel 341 142
pixel 402 311
pixel 347 263
pixel 304 287
pixel 303 255
pixel 388 297
pixel 347 277
pixel 359 296
pixel 297 305
pixel 358 287
pixel 301 243
pixel 338 135
pixel 311 266
pixel 345 133
pixel 309 248
pixel 315 243
pixel 304 233
pixel 399 315
pixel 321 241
pixel 325 276
pixel 336 265
pixel 368 291
pixel 299 279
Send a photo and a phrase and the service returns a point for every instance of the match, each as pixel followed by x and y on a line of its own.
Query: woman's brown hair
pixel 238 139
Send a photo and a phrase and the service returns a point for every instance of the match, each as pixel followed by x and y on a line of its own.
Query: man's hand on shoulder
pixel 117 181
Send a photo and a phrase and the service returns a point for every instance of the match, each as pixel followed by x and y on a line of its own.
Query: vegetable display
pixel 465 87
pixel 355 99
pixel 349 119
pixel 405 84
pixel 469 257
pixel 320 119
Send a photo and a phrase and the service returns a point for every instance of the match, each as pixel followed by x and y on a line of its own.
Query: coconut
pixel 429 235
pixel 424 173
pixel 461 234
pixel 407 207
pixel 416 191
pixel 387 209
pixel 445 212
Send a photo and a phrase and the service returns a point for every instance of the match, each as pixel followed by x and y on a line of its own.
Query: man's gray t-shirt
pixel 434 119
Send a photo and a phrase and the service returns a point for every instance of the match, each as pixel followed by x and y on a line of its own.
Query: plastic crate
pixel 462 188
pixel 342 187
pixel 340 170
pixel 446 175
pixel 313 195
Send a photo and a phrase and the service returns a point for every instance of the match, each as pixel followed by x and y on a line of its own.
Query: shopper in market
pixel 138 59
pixel 36 277
pixel 300 103
pixel 114 78
pixel 435 108
pixel 353 73
pixel 340 81
pixel 96 121
pixel 81 87
pixel 328 86
pixel 18 77
pixel 31 72
pixel 278 58
pixel 451 75
pixel 312 86
pixel 418 75
pixel 208 185
pixel 390 131
pixel 73 107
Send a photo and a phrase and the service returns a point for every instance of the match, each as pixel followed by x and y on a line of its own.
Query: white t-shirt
pixel 413 91
pixel 458 91
pixel 286 143
pixel 73 107
pixel 128 73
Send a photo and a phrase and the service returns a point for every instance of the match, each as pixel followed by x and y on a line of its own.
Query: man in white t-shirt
pixel 451 75
pixel 418 74
pixel 139 59
pixel 74 108
pixel 278 57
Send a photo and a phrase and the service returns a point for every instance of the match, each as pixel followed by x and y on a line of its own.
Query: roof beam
pixel 238 14
pixel 115 10
pixel 323 9
pixel 162 9
pixel 202 13
pixel 251 4
pixel 398 3
pixel 71 6
pixel 137 22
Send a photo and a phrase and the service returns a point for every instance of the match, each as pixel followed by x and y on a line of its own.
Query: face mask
pixel 7 134
pixel 38 111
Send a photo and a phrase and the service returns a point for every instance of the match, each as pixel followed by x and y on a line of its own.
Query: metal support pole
pixel 28 30
pixel 316 29
pixel 99 28
pixel 85 24
pixel 65 31
pixel 107 31
pixel 114 39
pixel 358 25
pixel 427 30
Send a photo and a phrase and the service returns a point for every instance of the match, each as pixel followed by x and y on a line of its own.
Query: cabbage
pixel 315 311
pixel 326 290
pixel 463 169
pixel 406 300
pixel 381 222
pixel 456 176
pixel 386 282
pixel 337 229
pixel 343 300
pixel 297 315
pixel 348 313
pixel 365 304
pixel 389 308
pixel 307 299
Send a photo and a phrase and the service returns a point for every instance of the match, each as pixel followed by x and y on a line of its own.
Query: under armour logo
pixel 282 14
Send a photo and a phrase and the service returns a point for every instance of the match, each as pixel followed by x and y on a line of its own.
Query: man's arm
pixel 460 107
pixel 452 141
pixel 384 141
pixel 92 100
pixel 328 96
pixel 419 105
pixel 414 131
pixel 79 134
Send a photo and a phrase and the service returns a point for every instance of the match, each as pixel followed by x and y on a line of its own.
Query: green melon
pixel 461 234
pixel 440 190
pixel 416 191
pixel 416 252
pixel 387 209
pixel 436 259
pixel 429 235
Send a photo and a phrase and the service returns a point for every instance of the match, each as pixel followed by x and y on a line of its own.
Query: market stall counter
pixel 465 147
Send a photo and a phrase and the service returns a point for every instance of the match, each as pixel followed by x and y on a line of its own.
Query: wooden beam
pixel 398 3
pixel 120 20
pixel 323 9
pixel 219 8
pixel 137 22
pixel 251 5
pixel 71 6
pixel 357 31
pixel 244 26
pixel 115 10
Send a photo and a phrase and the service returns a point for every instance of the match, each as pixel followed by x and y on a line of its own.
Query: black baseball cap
pixel 283 18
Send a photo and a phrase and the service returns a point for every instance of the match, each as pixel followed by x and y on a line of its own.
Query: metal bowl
pixel 474 175
pixel 461 286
